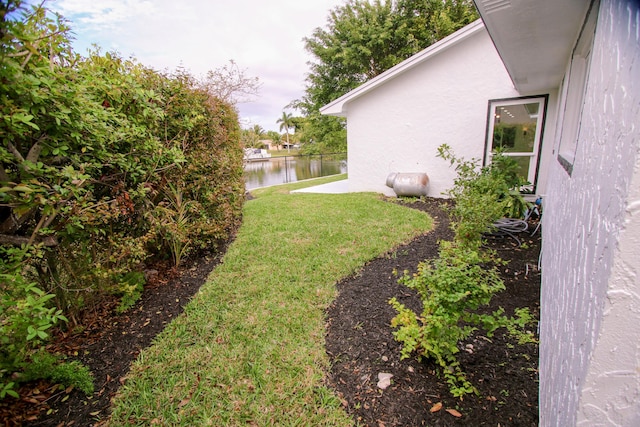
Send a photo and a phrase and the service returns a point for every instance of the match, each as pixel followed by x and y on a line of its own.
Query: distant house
pixel 268 144
pixel 457 92
pixel 583 57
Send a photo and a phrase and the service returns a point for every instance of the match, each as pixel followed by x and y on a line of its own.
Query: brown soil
pixel 359 343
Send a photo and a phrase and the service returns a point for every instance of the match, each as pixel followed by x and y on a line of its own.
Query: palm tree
pixel 286 122
pixel 258 130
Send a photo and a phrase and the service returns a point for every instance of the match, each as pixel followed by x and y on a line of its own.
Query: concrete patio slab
pixel 337 187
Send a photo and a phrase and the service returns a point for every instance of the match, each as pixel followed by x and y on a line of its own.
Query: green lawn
pixel 249 348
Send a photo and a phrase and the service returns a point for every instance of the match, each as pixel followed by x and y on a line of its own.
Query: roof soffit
pixel 534 38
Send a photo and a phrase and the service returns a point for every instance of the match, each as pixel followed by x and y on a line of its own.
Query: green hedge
pixel 106 164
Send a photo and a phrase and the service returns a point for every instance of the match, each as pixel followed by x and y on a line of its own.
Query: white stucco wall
pixel 398 126
pixel 590 302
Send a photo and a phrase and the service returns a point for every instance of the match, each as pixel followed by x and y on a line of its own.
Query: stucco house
pixel 453 92
pixel 583 58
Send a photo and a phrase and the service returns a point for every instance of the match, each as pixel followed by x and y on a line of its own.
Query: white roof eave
pixel 534 39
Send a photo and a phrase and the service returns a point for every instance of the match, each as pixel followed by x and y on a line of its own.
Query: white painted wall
pixel 590 302
pixel 398 126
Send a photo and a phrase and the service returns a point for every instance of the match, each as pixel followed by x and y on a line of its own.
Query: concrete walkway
pixel 337 187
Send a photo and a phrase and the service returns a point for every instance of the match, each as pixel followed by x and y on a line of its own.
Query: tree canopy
pixel 362 40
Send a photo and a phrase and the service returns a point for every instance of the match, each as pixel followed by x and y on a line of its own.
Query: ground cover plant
pixel 361 344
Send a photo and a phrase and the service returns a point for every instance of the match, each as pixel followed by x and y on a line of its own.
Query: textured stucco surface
pixel 398 126
pixel 590 334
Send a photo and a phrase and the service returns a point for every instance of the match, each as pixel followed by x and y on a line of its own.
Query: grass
pixel 249 348
pixel 284 152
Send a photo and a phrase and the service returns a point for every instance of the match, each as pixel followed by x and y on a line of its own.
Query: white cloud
pixel 263 38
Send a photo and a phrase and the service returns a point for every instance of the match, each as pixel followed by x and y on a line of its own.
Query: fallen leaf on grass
pixel 183 402
pixel 436 407
pixel 454 413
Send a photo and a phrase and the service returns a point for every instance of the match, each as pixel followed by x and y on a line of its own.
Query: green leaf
pixel 23 189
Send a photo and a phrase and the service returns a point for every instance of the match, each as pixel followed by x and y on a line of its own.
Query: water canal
pixel 282 170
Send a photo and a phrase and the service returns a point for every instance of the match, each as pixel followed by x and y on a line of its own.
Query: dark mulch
pixel 359 342
pixel 107 345
pixel 361 345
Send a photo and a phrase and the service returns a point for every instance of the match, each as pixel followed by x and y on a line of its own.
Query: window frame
pixel 534 165
pixel 574 87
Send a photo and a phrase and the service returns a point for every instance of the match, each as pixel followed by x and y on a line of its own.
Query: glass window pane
pixel 514 127
pixel 523 162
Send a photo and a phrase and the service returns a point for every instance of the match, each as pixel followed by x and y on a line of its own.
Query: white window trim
pixel 574 87
pixel 534 165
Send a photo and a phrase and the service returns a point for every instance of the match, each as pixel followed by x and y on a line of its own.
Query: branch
pixel 45 221
pixel 12 148
pixel 34 152
pixel 12 223
pixel 6 239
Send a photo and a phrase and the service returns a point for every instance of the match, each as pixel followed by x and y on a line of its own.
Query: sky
pixel 264 39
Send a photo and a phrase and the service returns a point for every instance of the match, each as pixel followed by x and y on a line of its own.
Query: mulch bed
pixel 359 343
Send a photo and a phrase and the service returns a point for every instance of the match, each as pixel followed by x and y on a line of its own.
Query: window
pixel 515 126
pixel 573 91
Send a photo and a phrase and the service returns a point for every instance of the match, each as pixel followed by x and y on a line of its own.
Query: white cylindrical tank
pixel 408 184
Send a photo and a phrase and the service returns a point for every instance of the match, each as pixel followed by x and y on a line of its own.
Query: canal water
pixel 282 170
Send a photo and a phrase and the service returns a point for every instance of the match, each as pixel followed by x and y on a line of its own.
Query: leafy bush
pixel 483 194
pixel 451 288
pixel 25 316
pixel 94 150
pixel 464 278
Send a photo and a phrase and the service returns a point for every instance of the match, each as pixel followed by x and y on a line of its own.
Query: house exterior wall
pixel 398 126
pixel 590 300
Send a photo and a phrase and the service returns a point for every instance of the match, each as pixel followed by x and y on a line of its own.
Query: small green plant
pixel 130 287
pixel 451 288
pixel 517 326
pixel 25 316
pixel 464 277
pixel 70 374
pixel 483 194
pixel 173 217
pixel 7 389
